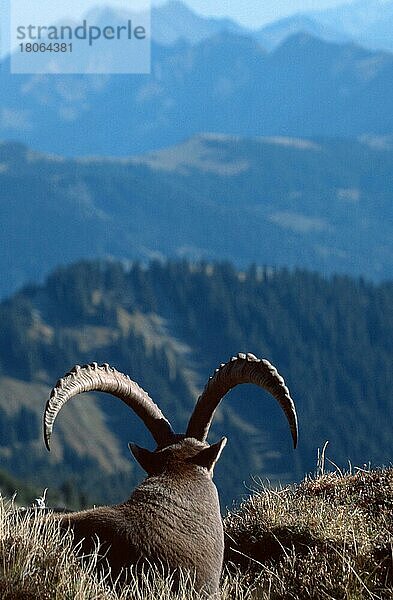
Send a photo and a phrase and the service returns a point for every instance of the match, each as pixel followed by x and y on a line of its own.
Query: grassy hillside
pixel 329 537
pixel 169 326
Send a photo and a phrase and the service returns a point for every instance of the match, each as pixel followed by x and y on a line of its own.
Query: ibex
pixel 173 517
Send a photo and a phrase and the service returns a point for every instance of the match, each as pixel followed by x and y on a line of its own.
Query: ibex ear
pixel 209 456
pixel 144 457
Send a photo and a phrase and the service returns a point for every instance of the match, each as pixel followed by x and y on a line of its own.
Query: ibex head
pixel 179 457
pixel 173 449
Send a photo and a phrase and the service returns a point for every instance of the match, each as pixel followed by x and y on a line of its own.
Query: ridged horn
pixel 243 368
pixel 103 378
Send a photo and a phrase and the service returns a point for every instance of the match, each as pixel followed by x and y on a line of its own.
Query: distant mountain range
pixel 272 35
pixel 169 326
pixel 225 84
pixel 317 203
pixel 368 23
pixel 175 21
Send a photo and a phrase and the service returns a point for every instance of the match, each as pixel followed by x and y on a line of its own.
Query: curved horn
pixel 243 368
pixel 104 378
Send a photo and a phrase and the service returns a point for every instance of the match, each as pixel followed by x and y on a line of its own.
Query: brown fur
pixel 172 518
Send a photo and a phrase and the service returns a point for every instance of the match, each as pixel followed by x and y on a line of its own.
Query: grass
pixel 330 537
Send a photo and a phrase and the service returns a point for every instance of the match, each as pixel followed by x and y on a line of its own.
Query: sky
pixel 254 13
pixel 74 9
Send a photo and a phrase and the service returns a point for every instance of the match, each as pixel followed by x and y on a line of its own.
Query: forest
pixel 169 325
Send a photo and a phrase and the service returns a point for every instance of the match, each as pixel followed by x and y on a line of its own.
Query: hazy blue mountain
pixel 367 22
pixel 272 35
pixel 305 87
pixel 171 22
pixel 174 21
pixel 169 325
pixel 364 22
pixel 322 204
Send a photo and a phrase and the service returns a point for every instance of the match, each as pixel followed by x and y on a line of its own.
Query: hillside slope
pixel 332 535
pixel 168 327
pixel 321 204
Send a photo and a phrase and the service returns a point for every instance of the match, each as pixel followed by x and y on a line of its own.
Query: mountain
pixel 364 22
pixel 168 326
pixel 175 21
pixel 305 87
pixel 367 23
pixel 322 204
pixel 357 18
pixel 171 22
pixel 272 35
pixel 352 16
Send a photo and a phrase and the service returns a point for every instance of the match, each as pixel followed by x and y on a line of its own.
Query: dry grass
pixel 328 538
pixel 37 563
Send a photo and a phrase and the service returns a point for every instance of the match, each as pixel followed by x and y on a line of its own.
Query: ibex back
pixel 172 519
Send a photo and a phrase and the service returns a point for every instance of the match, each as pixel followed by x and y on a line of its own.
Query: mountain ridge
pixel 306 87
pixel 318 203
pixel 363 22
